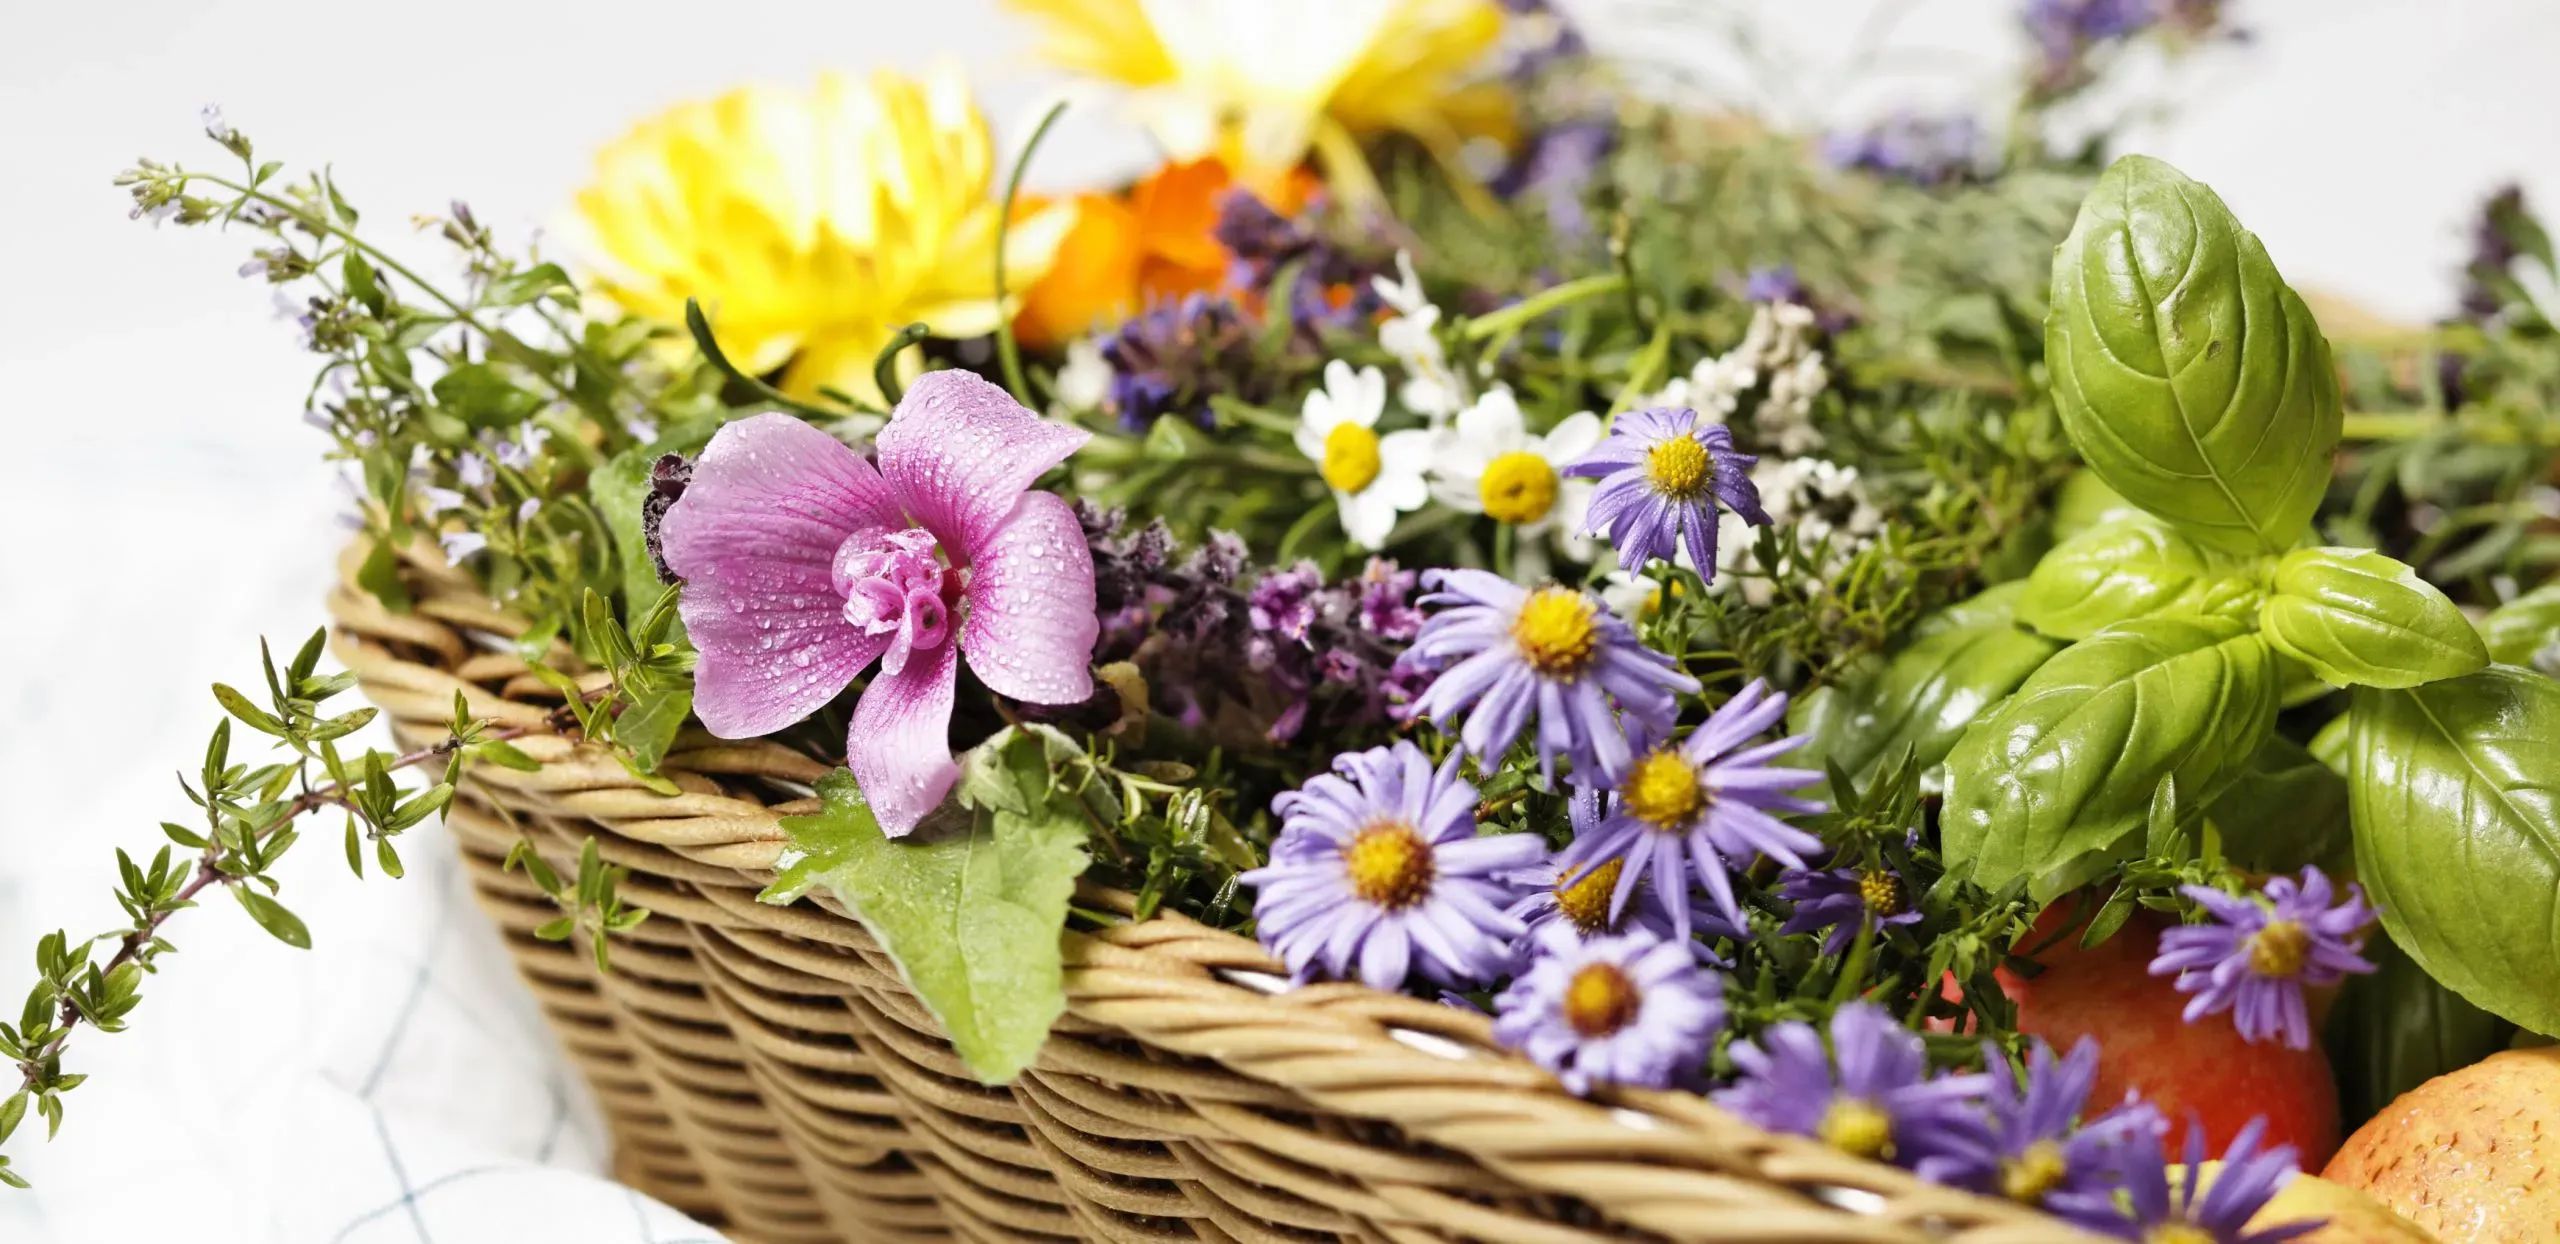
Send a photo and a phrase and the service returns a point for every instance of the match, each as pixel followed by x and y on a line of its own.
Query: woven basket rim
pixel 1652 1159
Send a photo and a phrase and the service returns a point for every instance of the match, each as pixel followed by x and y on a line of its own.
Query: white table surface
pixel 161 506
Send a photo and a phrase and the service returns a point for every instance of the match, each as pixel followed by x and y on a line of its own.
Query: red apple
pixel 2201 1069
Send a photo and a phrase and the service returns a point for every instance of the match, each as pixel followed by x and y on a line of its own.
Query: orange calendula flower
pixel 1157 242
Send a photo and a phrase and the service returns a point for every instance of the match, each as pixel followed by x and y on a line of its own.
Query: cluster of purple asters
pixel 1924 151
pixel 1327 652
pixel 2255 954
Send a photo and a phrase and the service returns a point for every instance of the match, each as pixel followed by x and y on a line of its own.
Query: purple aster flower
pixel 1578 899
pixel 1662 473
pixel 2037 1151
pixel 2192 1212
pixel 1844 900
pixel 1632 1009
pixel 1871 1095
pixel 1778 284
pixel 803 564
pixel 1556 168
pixel 2257 953
pixel 1924 151
pixel 1508 654
pixel 1378 871
pixel 1703 805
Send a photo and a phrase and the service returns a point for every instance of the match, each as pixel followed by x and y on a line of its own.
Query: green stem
pixel 1853 970
pixel 1513 318
pixel 1006 348
pixel 2410 425
pixel 696 323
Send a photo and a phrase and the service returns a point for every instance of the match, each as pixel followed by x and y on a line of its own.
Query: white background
pixel 161 507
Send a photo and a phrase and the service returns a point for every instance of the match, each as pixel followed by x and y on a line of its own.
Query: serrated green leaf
pixel 2456 795
pixel 2058 781
pixel 2190 377
pixel 650 724
pixel 2358 618
pixel 1951 668
pixel 972 905
pixel 2135 566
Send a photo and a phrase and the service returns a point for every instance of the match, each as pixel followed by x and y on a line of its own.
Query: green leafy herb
pixel 972 905
pixel 2285 810
pixel 1953 667
pixel 2189 375
pixel 2358 618
pixel 2132 565
pixel 2457 808
pixel 2519 631
pixel 2057 782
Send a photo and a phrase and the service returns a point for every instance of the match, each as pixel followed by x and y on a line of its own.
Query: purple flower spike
pixel 1633 1010
pixel 1662 473
pixel 1378 872
pixel 1871 1095
pixel 1844 900
pixel 804 564
pixel 1550 654
pixel 2256 955
pixel 1703 806
pixel 2191 1211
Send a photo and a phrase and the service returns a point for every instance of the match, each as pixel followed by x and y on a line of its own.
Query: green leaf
pixel 380 575
pixel 648 727
pixel 518 288
pixel 2057 782
pixel 2398 1028
pixel 2083 502
pixel 483 397
pixel 2518 631
pixel 2190 377
pixel 2285 810
pixel 2358 618
pixel 2129 566
pixel 1951 667
pixel 971 906
pixel 272 916
pixel 2456 796
pixel 620 487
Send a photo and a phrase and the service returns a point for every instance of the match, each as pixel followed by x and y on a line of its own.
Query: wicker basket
pixel 764 1068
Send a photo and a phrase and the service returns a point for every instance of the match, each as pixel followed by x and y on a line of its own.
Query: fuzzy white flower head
pixel 1411 336
pixel 1084 383
pixel 1373 477
pixel 1491 464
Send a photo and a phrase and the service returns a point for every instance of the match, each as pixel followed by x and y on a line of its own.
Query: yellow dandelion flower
pixel 812 224
pixel 1260 83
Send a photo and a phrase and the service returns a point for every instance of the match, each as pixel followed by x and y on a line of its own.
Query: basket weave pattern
pixel 766 1069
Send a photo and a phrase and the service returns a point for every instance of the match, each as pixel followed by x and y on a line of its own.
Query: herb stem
pixel 1511 319
pixel 1008 350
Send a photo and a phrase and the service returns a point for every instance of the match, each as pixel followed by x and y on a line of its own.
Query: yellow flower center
pixel 1518 488
pixel 2030 1175
pixel 1663 790
pixel 1600 1000
pixel 1390 865
pixel 1856 1127
pixel 1679 467
pixel 1879 892
pixel 1350 457
pixel 1558 632
pixel 2177 1233
pixel 1585 901
pixel 2279 949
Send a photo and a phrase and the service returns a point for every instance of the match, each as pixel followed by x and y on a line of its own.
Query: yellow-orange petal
pixel 1093 280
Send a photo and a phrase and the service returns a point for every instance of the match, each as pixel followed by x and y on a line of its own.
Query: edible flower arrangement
pixel 1927 644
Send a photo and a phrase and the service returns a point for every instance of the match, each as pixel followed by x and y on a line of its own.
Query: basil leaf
pixel 2129 566
pixel 970 906
pixel 2056 783
pixel 2456 795
pixel 2358 618
pixel 2521 630
pixel 1951 668
pixel 2285 810
pixel 2083 502
pixel 2188 374
pixel 2398 1028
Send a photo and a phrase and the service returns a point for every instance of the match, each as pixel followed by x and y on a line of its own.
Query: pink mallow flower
pixel 803 564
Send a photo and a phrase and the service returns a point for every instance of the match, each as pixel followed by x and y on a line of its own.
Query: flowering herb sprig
pixel 250 817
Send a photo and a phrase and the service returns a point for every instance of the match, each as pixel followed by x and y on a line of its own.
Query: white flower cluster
pixel 1412 335
pixel 1810 500
pixel 1778 347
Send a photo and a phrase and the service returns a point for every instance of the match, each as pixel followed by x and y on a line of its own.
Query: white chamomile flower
pixel 1491 465
pixel 1412 336
pixel 1085 380
pixel 1373 477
